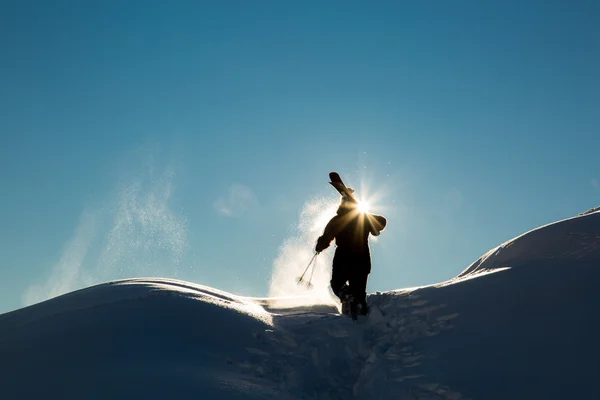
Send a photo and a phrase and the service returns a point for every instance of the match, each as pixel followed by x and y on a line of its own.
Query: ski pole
pixel 307 267
pixel 309 285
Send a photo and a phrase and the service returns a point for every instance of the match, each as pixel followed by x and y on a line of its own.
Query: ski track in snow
pixel 520 322
pixel 349 359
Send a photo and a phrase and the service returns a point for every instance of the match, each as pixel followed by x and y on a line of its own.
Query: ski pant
pixel 350 274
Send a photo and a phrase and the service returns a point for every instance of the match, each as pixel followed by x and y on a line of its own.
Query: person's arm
pixel 377 223
pixel 328 235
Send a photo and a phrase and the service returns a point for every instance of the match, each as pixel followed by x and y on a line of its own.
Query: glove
pixel 321 245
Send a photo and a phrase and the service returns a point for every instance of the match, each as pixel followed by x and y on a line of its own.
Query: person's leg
pixel 358 287
pixel 363 278
pixel 339 277
pixel 339 273
pixel 338 281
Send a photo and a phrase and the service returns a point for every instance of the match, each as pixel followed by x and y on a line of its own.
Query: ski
pixel 338 184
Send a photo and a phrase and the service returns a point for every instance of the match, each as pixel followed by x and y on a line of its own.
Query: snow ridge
pixel 521 322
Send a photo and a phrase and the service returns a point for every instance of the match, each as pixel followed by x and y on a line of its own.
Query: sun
pixel 363 207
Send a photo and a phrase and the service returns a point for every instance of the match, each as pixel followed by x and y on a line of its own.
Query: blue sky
pixel 185 139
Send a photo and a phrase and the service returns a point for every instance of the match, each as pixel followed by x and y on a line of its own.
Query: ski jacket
pixel 350 229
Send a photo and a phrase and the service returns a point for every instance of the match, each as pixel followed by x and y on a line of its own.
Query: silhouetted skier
pixel 352 260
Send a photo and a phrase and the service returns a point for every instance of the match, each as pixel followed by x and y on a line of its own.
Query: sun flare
pixel 363 207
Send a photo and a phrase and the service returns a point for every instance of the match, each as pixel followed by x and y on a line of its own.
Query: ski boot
pixel 363 308
pixel 354 309
pixel 347 303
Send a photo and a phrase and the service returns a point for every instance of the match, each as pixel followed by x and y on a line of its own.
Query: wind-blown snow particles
pixel 520 323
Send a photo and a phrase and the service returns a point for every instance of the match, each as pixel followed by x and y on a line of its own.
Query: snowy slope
pixel 520 322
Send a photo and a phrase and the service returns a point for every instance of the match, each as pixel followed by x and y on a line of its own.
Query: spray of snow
pixel 67 274
pixel 296 253
pixel 136 235
pixel 146 234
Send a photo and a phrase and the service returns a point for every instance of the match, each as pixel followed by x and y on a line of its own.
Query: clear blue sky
pixel 183 139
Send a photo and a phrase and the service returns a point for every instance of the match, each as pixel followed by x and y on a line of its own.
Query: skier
pixel 352 260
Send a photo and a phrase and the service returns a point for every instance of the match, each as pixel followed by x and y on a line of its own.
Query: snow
pixel 520 322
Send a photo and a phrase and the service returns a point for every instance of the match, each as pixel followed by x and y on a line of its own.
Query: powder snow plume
pixel 139 234
pixel 295 255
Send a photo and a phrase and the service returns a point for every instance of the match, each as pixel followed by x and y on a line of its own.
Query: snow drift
pixel 520 322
